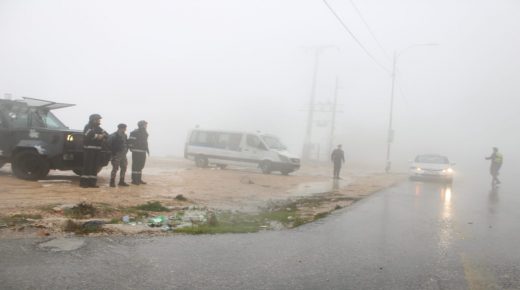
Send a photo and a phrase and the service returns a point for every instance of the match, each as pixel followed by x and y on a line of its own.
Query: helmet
pixel 94 117
pixel 141 123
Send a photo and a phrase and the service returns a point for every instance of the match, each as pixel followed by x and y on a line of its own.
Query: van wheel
pixel 285 172
pixel 30 165
pixel 201 161
pixel 222 166
pixel 266 167
pixel 2 164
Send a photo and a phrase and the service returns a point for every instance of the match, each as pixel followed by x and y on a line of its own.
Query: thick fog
pixel 248 65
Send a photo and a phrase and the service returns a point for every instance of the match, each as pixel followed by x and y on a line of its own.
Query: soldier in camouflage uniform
pixel 119 147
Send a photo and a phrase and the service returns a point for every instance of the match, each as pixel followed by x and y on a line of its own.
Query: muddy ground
pixel 42 206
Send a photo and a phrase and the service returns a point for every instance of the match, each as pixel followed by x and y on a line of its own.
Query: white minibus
pixel 222 148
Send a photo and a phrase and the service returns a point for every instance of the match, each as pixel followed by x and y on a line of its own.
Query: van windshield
pixel 273 142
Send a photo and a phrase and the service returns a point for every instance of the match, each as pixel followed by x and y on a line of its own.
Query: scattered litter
pixel 157 221
pixel 166 228
pixel 290 218
pixel 126 219
pixel 3 226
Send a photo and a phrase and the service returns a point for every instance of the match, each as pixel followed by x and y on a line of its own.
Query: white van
pixel 224 148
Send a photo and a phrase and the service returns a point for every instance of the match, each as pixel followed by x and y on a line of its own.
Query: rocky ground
pixel 181 198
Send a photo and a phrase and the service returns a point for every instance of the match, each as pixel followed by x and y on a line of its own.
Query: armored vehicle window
pixel 50 121
pixel 19 119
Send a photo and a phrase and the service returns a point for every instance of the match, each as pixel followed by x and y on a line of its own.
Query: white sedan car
pixel 431 167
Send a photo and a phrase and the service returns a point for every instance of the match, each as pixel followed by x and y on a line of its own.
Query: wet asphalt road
pixel 413 236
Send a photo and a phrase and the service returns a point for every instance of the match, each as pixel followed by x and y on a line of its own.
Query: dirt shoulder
pixel 42 208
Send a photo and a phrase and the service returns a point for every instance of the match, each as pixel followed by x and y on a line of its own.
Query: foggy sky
pixel 247 65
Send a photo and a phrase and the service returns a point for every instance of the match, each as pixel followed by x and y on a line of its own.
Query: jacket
pixel 138 141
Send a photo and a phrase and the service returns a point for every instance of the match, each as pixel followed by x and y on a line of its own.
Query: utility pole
pixel 390 125
pixel 333 121
pixel 310 115
pixel 388 165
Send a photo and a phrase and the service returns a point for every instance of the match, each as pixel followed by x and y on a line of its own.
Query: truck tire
pixel 266 167
pixel 79 171
pixel 286 172
pixel 2 164
pixel 30 165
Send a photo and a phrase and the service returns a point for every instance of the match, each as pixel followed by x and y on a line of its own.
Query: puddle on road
pixel 312 188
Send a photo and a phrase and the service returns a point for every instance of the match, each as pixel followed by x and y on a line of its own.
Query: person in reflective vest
pixel 138 145
pixel 496 162
pixel 93 139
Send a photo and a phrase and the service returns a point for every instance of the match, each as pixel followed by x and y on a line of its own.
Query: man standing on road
pixel 138 144
pixel 119 147
pixel 93 139
pixel 496 162
pixel 338 158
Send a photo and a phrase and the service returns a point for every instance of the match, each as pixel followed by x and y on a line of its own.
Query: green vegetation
pixel 83 229
pixel 81 210
pixel 154 206
pixel 19 219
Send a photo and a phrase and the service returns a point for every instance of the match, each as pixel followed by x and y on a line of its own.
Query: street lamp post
pixel 390 137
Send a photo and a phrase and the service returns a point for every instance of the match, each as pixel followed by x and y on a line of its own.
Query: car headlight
pixel 70 138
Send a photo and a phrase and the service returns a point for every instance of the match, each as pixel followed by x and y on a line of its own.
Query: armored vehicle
pixel 35 141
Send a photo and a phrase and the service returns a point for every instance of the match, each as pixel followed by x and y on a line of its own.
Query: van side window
pixel 234 142
pixel 222 140
pixel 254 141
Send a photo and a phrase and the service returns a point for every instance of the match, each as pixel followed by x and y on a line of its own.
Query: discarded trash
pixel 166 228
pixel 157 221
pixel 126 219
pixel 3 226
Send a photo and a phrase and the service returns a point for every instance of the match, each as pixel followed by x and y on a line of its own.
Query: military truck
pixel 35 141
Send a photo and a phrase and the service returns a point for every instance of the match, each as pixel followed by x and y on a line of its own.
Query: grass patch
pixel 81 210
pixel 181 197
pixel 321 215
pixel 154 206
pixel 19 219
pixel 83 228
pixel 220 229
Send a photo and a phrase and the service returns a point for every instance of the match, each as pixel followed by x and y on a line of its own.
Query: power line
pixel 368 28
pixel 355 38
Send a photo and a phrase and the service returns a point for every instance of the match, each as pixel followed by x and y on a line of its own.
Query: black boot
pixel 122 182
pixel 112 182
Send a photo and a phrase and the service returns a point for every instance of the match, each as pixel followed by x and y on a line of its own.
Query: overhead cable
pixel 355 38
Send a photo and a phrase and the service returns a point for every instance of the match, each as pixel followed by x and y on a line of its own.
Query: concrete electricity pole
pixel 310 115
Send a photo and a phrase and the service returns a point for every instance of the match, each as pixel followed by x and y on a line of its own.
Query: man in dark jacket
pixel 119 148
pixel 138 144
pixel 338 158
pixel 93 139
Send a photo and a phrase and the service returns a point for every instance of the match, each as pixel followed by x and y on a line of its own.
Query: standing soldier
pixel 338 158
pixel 93 139
pixel 496 162
pixel 119 148
pixel 138 144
